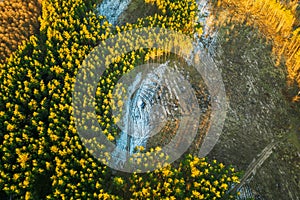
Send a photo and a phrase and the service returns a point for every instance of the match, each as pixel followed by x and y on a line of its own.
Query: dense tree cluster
pixel 19 20
pixel 194 179
pixel 42 156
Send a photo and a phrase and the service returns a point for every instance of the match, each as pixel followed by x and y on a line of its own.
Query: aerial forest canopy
pixel 41 154
pixel 19 20
pixel 43 44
